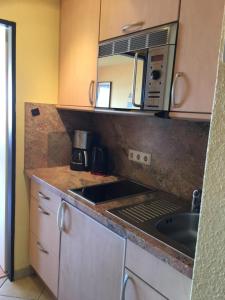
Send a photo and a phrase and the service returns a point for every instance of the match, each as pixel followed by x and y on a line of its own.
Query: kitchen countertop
pixel 60 179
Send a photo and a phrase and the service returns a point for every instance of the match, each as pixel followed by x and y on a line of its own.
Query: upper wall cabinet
pixel 78 52
pixel 121 17
pixel 196 58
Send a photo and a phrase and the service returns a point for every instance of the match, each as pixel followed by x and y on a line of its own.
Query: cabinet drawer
pixel 46 197
pixel 43 223
pixel 162 277
pixel 45 264
pixel 137 289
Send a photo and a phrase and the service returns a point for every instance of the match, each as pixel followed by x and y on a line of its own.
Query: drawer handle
pixel 131 27
pixel 126 278
pixel 41 248
pixel 44 212
pixel 41 195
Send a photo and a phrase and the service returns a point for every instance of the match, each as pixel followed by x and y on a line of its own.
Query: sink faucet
pixel 196 201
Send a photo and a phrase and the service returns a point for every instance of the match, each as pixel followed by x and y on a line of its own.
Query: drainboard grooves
pixel 132 212
pixel 132 217
pixel 142 213
pixel 148 210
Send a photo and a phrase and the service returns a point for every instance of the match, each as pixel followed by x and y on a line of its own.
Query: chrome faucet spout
pixel 196 201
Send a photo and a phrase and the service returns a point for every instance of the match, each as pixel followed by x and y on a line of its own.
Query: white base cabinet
pixel 137 289
pixel 44 240
pixel 164 279
pixel 92 259
pixel 91 262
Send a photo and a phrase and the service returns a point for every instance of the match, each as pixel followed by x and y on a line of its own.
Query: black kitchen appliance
pixel 97 194
pixel 81 152
pixel 99 161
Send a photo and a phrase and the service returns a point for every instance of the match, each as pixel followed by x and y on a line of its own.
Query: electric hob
pixel 97 194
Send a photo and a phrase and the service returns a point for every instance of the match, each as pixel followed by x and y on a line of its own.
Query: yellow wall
pixel 37 81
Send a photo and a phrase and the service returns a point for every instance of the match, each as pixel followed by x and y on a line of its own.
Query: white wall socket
pixel 140 157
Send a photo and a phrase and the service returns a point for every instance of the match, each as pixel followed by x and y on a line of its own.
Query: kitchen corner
pixel 111 149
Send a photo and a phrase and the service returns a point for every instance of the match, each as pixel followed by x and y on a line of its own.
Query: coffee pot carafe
pixel 81 152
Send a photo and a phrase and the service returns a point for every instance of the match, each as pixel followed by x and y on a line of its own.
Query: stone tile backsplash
pixel 48 136
pixel 178 148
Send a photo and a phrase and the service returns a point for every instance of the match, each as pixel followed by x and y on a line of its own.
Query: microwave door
pixel 120 81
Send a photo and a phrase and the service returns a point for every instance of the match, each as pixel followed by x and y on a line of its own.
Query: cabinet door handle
pixel 135 80
pixel 41 248
pixel 43 196
pixel 44 212
pixel 126 278
pixel 60 216
pixel 91 92
pixel 132 27
pixel 173 91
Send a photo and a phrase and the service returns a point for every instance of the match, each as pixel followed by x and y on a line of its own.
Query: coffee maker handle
pixel 85 159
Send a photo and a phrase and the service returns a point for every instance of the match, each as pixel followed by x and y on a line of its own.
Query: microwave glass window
pixel 118 69
pixel 103 94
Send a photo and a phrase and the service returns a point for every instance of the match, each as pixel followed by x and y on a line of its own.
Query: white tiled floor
pixel 29 288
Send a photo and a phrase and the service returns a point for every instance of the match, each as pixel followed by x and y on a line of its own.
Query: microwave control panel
pixel 156 78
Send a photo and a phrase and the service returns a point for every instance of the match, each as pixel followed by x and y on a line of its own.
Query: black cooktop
pixel 97 194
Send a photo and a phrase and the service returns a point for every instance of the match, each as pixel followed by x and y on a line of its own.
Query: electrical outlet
pixel 140 157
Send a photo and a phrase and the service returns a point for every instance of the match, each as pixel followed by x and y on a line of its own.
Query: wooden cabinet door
pixel 197 56
pixel 136 289
pixel 120 17
pixel 78 52
pixel 92 259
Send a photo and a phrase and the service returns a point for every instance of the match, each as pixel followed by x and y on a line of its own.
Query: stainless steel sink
pixel 181 228
pixel 163 216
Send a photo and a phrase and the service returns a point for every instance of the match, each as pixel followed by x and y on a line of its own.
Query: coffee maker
pixel 81 152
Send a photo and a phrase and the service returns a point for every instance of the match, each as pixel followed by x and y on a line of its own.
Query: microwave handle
pixel 135 80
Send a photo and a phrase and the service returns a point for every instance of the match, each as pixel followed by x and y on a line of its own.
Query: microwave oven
pixel 135 71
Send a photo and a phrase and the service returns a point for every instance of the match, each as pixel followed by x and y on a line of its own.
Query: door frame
pixel 11 176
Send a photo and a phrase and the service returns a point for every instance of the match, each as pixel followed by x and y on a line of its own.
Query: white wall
pixel 209 270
